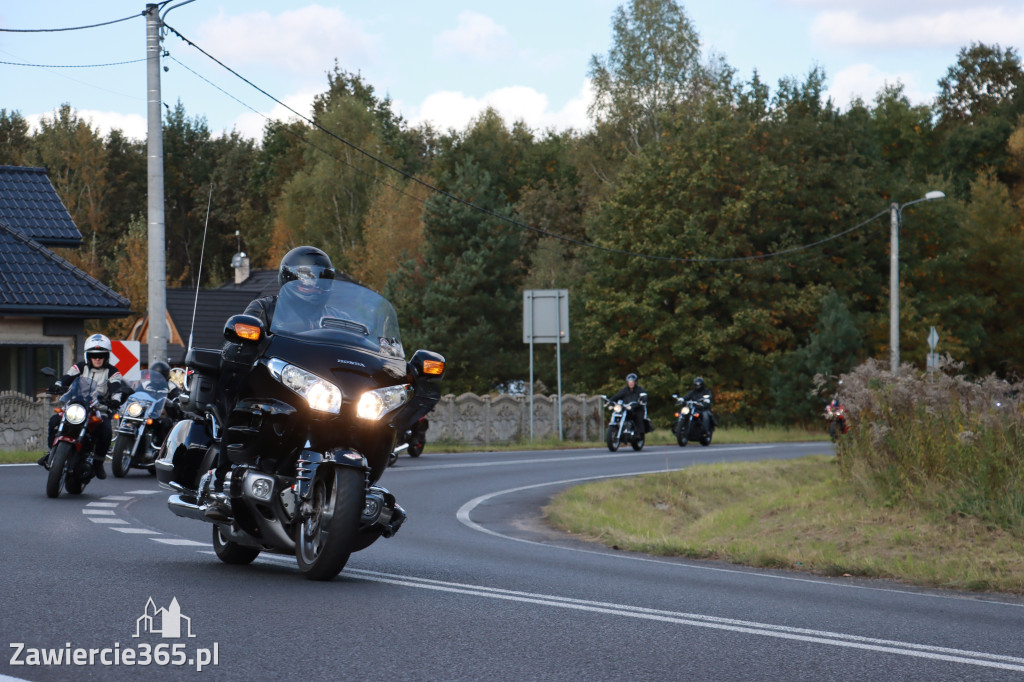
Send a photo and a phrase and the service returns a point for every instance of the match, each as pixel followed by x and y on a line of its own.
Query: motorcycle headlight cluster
pixel 320 394
pixel 617 408
pixel 685 410
pixel 375 404
pixel 134 409
pixel 75 414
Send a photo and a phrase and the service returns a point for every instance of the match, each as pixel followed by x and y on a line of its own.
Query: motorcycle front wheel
pixel 415 449
pixel 613 438
pixel 681 433
pixel 56 476
pixel 324 541
pixel 638 444
pixel 121 454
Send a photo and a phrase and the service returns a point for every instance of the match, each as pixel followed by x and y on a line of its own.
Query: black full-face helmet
pixel 698 383
pixel 305 264
pixel 161 368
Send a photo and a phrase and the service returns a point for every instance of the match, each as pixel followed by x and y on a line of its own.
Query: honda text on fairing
pixel 309 433
pixel 134 434
pixel 70 460
pixel 689 421
pixel 620 425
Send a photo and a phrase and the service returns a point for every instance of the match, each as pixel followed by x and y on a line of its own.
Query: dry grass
pixel 797 514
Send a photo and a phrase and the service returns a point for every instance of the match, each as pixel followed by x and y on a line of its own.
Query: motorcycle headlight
pixel 375 404
pixel 75 414
pixel 320 394
pixel 686 410
pixel 133 409
pixel 617 408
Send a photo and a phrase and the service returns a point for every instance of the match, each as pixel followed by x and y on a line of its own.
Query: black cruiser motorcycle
pixel 288 430
pixel 689 425
pixel 69 462
pixel 136 421
pixel 620 425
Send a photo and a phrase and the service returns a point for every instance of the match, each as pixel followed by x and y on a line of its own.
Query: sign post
pixel 546 320
pixel 933 357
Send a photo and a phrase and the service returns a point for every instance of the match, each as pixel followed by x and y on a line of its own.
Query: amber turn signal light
pixel 248 331
pixel 435 367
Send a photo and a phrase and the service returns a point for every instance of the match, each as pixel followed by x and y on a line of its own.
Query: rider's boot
pixel 97 468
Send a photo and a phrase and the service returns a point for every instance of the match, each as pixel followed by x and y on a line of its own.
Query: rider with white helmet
pixel 96 366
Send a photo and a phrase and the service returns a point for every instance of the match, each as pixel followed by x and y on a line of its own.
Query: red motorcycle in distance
pixel 835 414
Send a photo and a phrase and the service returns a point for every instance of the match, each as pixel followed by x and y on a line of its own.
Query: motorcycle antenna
pixel 202 253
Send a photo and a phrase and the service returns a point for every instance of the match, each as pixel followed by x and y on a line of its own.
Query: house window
pixel 20 365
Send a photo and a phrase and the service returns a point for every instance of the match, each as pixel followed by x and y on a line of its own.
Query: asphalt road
pixel 474 587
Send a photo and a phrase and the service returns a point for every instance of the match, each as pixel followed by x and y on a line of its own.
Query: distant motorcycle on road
pixel 620 425
pixel 689 422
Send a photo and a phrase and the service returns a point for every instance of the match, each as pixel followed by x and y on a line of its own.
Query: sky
pixel 445 61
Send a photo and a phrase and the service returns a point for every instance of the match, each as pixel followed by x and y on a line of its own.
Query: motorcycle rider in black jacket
pixel 702 394
pixel 306 264
pixel 631 393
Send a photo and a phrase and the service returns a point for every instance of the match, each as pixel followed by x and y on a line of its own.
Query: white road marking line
pixel 139 531
pixel 99 512
pixel 116 498
pixel 143 492
pixel 102 504
pixel 95 519
pixel 976 658
pixel 573 458
pixel 180 541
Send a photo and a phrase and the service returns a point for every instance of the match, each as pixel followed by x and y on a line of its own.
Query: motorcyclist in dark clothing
pixel 96 367
pixel 171 412
pixel 307 265
pixel 702 394
pixel 634 392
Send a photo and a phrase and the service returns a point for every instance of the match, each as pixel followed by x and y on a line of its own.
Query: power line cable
pixel 74 66
pixel 498 216
pixel 70 28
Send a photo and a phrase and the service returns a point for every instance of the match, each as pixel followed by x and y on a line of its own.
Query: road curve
pixel 474 587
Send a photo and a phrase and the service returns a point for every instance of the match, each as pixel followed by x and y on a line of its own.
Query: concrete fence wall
pixel 467 418
pixel 483 420
pixel 23 421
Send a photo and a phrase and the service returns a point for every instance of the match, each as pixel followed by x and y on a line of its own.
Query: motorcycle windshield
pixel 82 389
pixel 151 389
pixel 338 313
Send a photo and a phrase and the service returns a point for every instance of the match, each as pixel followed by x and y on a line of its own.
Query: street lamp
pixel 895 218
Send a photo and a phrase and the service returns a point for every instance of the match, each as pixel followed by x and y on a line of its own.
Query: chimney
pixel 240 262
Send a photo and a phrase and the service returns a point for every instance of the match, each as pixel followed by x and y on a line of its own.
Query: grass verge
pixel 795 514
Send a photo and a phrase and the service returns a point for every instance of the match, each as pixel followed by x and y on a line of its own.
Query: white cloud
pixel 477 36
pixel 133 126
pixel 310 38
pixel 448 109
pixel 953 28
pixel 866 80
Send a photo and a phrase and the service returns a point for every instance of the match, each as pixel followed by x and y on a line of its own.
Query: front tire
pixel 121 457
pixel 613 438
pixel 231 552
pixel 324 541
pixel 56 476
pixel 638 444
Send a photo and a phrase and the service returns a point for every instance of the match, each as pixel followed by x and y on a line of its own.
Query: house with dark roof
pixel 201 314
pixel 44 300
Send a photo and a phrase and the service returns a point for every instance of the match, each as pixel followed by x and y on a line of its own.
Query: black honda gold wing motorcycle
pixel 305 415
